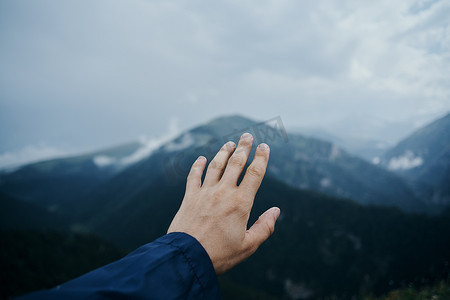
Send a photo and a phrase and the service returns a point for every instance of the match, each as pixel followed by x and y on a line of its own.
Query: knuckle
pixel 236 160
pixel 218 194
pixel 242 208
pixel 241 204
pixel 216 165
pixel 255 170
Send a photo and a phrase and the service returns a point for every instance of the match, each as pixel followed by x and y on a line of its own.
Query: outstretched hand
pixel 216 212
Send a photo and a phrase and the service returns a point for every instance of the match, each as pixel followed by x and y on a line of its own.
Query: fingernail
pixel 263 146
pixel 230 145
pixel 276 213
pixel 201 158
pixel 246 136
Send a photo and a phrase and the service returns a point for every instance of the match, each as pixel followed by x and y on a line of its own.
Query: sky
pixel 80 75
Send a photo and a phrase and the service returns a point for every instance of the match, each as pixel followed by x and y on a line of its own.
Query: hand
pixel 216 212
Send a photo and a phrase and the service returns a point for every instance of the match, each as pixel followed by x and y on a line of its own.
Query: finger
pixel 194 179
pixel 262 229
pixel 217 165
pixel 237 161
pixel 255 172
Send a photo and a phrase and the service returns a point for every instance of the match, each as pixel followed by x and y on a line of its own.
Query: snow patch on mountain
pixel 102 161
pixel 186 141
pixel 148 146
pixel 146 149
pixel 405 162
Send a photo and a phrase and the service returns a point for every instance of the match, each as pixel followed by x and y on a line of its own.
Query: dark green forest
pixel 31 260
pixel 322 247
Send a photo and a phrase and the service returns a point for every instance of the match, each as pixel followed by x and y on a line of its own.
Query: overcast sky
pixel 80 75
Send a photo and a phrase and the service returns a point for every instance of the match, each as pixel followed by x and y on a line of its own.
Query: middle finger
pixel 237 161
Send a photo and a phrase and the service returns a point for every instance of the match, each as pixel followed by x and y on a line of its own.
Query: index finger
pixel 255 172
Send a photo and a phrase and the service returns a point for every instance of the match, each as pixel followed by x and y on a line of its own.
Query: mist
pixel 82 75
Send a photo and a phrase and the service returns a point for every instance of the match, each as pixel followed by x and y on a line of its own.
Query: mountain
pixel 321 166
pixel 424 159
pixel 52 182
pixel 370 127
pixel 322 246
pixel 301 162
pixel 363 147
pixel 23 215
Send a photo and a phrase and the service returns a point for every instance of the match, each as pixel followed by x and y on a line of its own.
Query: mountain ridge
pixel 423 159
pixel 302 162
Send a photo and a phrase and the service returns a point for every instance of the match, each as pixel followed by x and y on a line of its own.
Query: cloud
pixel 35 153
pixel 29 154
pixel 186 141
pixel 151 144
pixel 102 161
pixel 405 162
pixel 136 63
pixel 148 145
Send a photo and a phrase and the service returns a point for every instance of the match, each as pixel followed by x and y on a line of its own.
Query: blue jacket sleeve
pixel 175 266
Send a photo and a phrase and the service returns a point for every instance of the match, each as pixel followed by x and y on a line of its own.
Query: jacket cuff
pixel 198 260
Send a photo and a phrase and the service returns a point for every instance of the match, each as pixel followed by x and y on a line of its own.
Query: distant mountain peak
pixel 231 122
pixel 226 127
pixel 234 118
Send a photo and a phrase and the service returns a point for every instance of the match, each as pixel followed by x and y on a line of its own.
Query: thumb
pixel 263 227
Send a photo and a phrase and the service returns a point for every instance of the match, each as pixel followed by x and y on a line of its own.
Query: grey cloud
pixel 84 74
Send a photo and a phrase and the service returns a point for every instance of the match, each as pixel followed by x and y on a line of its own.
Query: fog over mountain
pixel 79 75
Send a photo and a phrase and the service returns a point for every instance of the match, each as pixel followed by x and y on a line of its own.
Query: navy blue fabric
pixel 175 266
